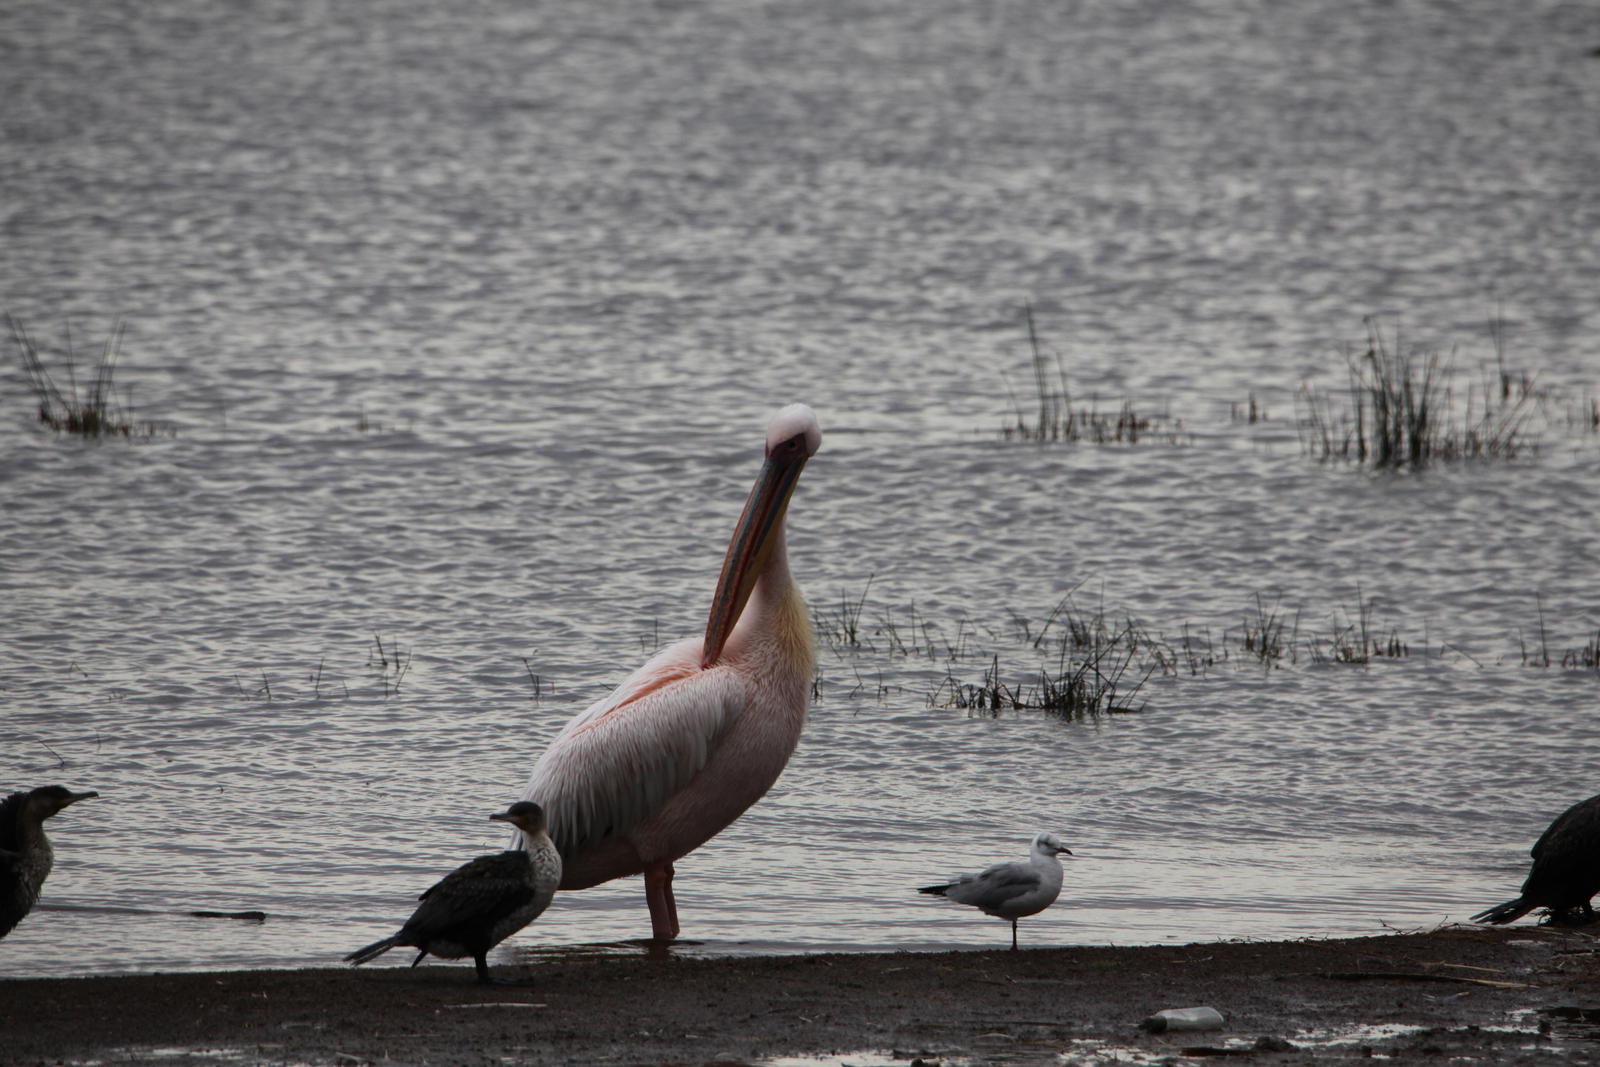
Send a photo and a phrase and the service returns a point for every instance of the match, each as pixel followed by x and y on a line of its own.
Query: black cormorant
pixel 1566 870
pixel 25 853
pixel 481 903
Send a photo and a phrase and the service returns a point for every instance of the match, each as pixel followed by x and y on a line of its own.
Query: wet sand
pixel 1493 995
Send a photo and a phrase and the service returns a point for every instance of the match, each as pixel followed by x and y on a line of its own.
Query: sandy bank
pixel 1485 994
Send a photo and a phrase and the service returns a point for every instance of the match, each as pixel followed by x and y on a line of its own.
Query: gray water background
pixel 469 316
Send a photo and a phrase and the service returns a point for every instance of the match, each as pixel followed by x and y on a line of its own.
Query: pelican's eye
pixel 794 446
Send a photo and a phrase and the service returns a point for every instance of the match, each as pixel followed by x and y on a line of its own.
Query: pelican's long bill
pixel 752 541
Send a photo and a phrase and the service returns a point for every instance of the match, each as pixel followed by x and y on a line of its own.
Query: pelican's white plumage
pixel 699 733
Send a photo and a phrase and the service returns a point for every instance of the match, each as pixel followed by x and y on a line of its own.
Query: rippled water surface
pixel 468 318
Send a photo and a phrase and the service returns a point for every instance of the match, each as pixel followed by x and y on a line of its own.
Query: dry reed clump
pixel 1072 690
pixel 1355 639
pixel 389 664
pixel 1584 414
pixel 841 629
pixel 1077 663
pixel 99 412
pixel 1056 420
pixel 1248 412
pixel 1091 658
pixel 1399 409
pixel 1585 658
pixel 1263 635
pixel 1079 660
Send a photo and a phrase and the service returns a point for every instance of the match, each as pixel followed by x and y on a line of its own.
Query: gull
pixel 1011 890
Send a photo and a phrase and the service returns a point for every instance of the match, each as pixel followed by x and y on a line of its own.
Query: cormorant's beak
pixel 502 816
pixel 747 552
pixel 81 796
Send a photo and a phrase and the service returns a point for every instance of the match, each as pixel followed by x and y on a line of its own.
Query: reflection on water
pixel 469 318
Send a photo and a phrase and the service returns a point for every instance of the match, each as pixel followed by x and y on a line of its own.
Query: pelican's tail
pixel 937 890
pixel 1510 911
pixel 372 951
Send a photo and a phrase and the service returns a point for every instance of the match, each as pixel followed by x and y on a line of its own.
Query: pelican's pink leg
pixel 672 901
pixel 658 894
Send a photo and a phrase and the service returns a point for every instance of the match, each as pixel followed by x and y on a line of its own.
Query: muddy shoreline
pixel 1498 996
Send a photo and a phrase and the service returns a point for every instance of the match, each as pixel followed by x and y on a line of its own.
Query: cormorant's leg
pixel 658 895
pixel 481 962
pixel 1013 935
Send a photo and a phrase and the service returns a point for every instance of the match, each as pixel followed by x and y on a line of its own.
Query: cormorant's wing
pixel 483 891
pixel 616 763
pixel 1566 858
pixel 1582 820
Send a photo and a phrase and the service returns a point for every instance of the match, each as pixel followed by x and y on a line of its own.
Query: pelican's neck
pixel 776 580
pixel 776 616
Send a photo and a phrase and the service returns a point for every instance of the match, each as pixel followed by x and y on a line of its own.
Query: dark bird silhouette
pixel 481 903
pixel 25 853
pixel 1565 872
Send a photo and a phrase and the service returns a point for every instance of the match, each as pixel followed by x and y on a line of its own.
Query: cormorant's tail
pixel 372 951
pixel 936 890
pixel 1510 911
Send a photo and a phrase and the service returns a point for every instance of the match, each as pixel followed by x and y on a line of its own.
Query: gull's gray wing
pixel 993 887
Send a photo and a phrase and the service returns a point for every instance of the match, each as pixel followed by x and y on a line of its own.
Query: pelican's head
pixel 793 437
pixel 794 431
pixel 1049 844
pixel 525 815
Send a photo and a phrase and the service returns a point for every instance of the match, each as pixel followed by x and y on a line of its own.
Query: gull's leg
pixel 1013 935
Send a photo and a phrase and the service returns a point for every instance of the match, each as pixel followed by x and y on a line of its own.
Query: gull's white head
pixel 1050 845
pixel 794 421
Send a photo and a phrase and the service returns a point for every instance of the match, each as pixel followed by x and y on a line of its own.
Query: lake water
pixel 468 318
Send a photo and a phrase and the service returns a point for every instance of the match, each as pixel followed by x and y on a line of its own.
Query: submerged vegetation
pixel 1073 689
pixel 98 411
pixel 1076 662
pixel 1057 421
pixel 1400 408
pixel 1585 658
pixel 1404 406
pixel 1082 662
pixel 391 664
